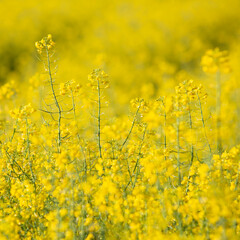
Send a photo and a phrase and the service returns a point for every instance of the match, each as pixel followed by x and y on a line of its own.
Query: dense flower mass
pixel 126 128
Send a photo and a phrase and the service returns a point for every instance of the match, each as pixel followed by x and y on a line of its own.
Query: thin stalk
pixel 55 99
pixel 178 150
pixel 138 159
pixel 203 123
pixel 165 136
pixel 236 181
pixel 192 148
pixel 28 156
pixel 13 134
pixel 133 123
pixel 130 174
pixel 75 118
pixel 137 164
pixel 99 120
pixel 191 127
pixel 218 112
pixel 73 104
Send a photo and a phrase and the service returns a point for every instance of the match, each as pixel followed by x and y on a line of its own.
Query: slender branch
pixel 133 123
pixel 137 163
pixel 75 118
pixel 99 119
pixel 178 150
pixel 55 99
pixel 203 123
pixel 28 156
pixel 218 111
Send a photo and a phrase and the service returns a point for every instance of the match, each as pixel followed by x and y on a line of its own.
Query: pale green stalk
pixel 203 123
pixel 218 111
pixel 133 123
pixel 55 99
pixel 99 119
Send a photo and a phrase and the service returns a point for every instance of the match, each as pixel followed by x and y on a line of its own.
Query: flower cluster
pixel 23 112
pixel 45 44
pixel 215 60
pixel 69 88
pixel 7 90
pixel 98 78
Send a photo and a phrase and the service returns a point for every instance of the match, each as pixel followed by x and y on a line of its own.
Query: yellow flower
pixel 215 60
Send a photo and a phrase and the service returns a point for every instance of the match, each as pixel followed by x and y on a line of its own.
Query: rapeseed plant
pixel 157 176
pixel 153 155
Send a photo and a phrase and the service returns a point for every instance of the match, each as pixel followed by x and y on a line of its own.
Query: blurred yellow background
pixel 142 44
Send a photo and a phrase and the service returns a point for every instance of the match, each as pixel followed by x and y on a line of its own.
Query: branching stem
pixel 99 119
pixel 55 99
pixel 133 123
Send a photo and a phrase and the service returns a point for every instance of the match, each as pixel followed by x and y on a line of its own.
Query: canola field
pixel 120 120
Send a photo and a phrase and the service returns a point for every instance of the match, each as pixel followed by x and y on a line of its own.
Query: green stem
pixel 138 159
pixel 178 150
pixel 75 118
pixel 192 148
pixel 28 156
pixel 218 112
pixel 203 123
pixel 55 99
pixel 133 123
pixel 99 120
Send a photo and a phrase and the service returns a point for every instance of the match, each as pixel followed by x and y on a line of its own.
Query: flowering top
pixel 190 90
pixel 7 90
pixel 23 112
pixel 215 60
pixel 98 75
pixel 69 87
pixel 45 43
